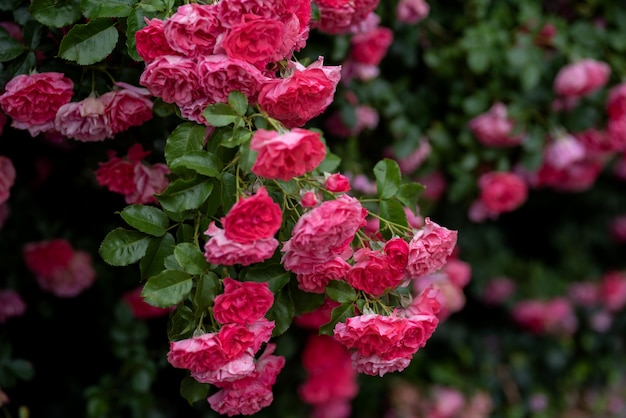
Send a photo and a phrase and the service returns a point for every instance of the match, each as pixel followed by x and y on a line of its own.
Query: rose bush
pixel 327 209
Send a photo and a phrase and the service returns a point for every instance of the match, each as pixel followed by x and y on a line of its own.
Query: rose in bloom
pixel 340 16
pixel 242 302
pixel 84 121
pixel 193 30
pixel 337 183
pixel 303 94
pixel 371 47
pixel 140 308
pixel 172 78
pixel 502 191
pixel 412 11
pixel 494 128
pixel 253 218
pixel 554 316
pixel 58 268
pixel 287 155
pixel 221 250
pixel 397 252
pixel 127 106
pixel 151 42
pixel 322 234
pixel 11 305
pixel 612 291
pixel 256 40
pixel 430 248
pixel 32 101
pixel 373 272
pixel 138 182
pixel 316 281
pixel 7 178
pixel 581 78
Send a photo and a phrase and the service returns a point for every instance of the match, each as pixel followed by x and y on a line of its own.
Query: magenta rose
pixel 193 30
pixel 303 94
pixel 288 155
pixel 84 121
pixel 126 107
pixel 221 250
pixel 253 218
pixel 7 178
pixel 150 41
pixel 429 249
pixel 242 302
pixel 32 100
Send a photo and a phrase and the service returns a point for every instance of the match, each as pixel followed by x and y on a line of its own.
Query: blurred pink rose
pixel 494 128
pixel 126 106
pixel 302 94
pixel 616 101
pixel 7 178
pixel 563 151
pixel 411 162
pixel 220 250
pixel 498 290
pixel 84 120
pixel 554 316
pixel 366 118
pixel 459 272
pixel 612 292
pixel 584 293
pixel 11 305
pixel 317 317
pixel 581 78
pixel 502 191
pixel 151 42
pixel 59 268
pixel 371 47
pixel 287 155
pixel 412 11
pixel 193 29
pixel 430 248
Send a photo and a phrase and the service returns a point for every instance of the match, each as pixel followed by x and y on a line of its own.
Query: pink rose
pixel 58 268
pixel 32 100
pixel 412 11
pixel 371 47
pixel 459 272
pixel 7 178
pixel 222 75
pixel 581 78
pixel 337 183
pixel 316 281
pixel 309 199
pixel 563 151
pixel 613 290
pixel 502 191
pixel 221 250
pixel 303 94
pixel 197 354
pixel 193 30
pixel 84 121
pixel 151 42
pixel 374 365
pixel 322 234
pixel 373 273
pixel 494 128
pixel 126 107
pixel 242 302
pixel 236 369
pixel 616 101
pixel 584 293
pixel 397 252
pixel 416 158
pixel 11 305
pixel 252 218
pixel 554 316
pixel 335 16
pixel 172 78
pixel 288 155
pixel 256 40
pixel 430 248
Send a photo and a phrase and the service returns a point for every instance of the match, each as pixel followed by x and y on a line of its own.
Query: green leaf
pixel 167 289
pixel 247 158
pixel 207 288
pixel 55 13
pixel 202 162
pixel 190 258
pixel 220 114
pixel 182 194
pixel 340 291
pixel 186 138
pixel 409 194
pixel 21 65
pixel 235 137
pixel 153 262
pixel 338 314
pixel 304 301
pixel 330 163
pixel 281 312
pixel 10 48
pixel 7 5
pixel 388 178
pixel 21 368
pixel 153 5
pixel 32 33
pixel 391 211
pixel 110 8
pixel 147 219
pixel 239 102
pixel 229 190
pixel 478 60
pixel 193 391
pixel 121 247
pixel 274 275
pixel 89 43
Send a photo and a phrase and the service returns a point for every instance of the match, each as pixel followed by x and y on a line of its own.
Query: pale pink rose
pixel 502 191
pixel 316 281
pixel 322 234
pixel 581 78
pixel 459 272
pixel 371 47
pixel 140 308
pixel 287 155
pixel 84 121
pixel 498 290
pixel 414 219
pixel 412 11
pixel 32 101
pixel 613 290
pixel 7 178
pixel 601 321
pixel 220 250
pixel 252 218
pixel 150 41
pixel 242 302
pixel 58 268
pixel 172 78
pixel 430 248
pixel 494 128
pixel 351 69
pixel 374 273
pixel 363 184
pixel 193 29
pixel 584 293
pixel 337 183
pixel 309 199
pixel 126 106
pixel 366 24
pixel 11 305
pixel 447 401
pixel 302 94
pixel 617 227
pixel 563 151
